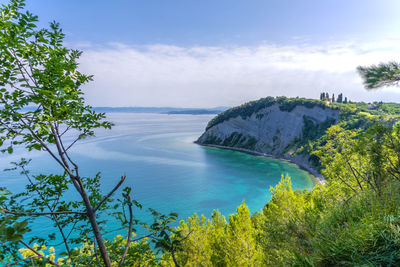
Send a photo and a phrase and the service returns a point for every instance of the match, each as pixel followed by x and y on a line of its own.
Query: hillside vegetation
pixel 258 126
pixel 247 109
pixel 352 220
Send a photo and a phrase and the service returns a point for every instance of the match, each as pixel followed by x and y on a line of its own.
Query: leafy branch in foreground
pixel 384 74
pixel 42 108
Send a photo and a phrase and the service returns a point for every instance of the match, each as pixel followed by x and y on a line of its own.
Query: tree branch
pixel 128 241
pixel 64 151
pixel 111 192
pixel 46 148
pixel 23 70
pixel 337 176
pixel 59 149
pixel 15 262
pixel 51 210
pixel 95 252
pixel 66 130
pixel 20 67
pixel 73 143
pixel 355 176
pixel 174 259
pixel 42 213
pixel 22 90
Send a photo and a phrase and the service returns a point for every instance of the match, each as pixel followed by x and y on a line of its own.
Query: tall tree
pixel 41 102
pixel 340 98
pixel 41 99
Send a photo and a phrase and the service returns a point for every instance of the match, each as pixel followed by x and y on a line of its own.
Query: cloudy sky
pixel 209 53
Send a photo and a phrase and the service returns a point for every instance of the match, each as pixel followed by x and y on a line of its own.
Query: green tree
pixel 340 98
pixel 41 102
pixel 196 249
pixel 357 207
pixel 241 246
pixel 362 161
pixel 279 223
pixel 216 242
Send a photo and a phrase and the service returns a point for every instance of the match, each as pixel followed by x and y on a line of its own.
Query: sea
pixel 166 170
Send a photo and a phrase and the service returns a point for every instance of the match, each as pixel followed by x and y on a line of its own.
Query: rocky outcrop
pixel 273 130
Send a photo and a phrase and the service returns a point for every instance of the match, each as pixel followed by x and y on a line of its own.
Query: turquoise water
pixel 166 170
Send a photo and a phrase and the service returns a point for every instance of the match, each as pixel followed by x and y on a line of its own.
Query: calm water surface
pixel 166 170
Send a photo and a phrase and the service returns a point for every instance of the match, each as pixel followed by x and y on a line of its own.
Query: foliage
pixel 250 108
pixel 42 108
pixel 353 219
pixel 384 74
pixel 311 132
pixel 216 242
pixel 139 254
pixel 351 116
pixel 236 139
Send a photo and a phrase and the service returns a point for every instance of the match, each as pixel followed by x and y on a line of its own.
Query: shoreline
pixel 319 178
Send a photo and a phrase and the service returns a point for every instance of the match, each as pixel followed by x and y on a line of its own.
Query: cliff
pixel 273 126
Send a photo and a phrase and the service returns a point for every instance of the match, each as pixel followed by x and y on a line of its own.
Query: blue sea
pixel 165 169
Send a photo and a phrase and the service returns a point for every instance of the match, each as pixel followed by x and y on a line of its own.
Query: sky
pixel 209 53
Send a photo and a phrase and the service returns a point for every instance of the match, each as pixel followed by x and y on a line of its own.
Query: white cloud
pixel 165 75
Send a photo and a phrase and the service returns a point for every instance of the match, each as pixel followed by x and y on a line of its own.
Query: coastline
pixel 319 178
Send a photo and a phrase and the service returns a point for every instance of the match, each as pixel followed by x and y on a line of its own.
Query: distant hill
pixel 196 111
pixel 162 110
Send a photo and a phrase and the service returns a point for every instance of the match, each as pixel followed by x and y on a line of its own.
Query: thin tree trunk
pixel 91 213
pixel 174 259
pixel 96 231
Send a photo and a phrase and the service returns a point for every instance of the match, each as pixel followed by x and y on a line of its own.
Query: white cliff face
pixel 272 129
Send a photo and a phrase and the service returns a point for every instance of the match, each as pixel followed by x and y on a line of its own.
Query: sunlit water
pixel 166 170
